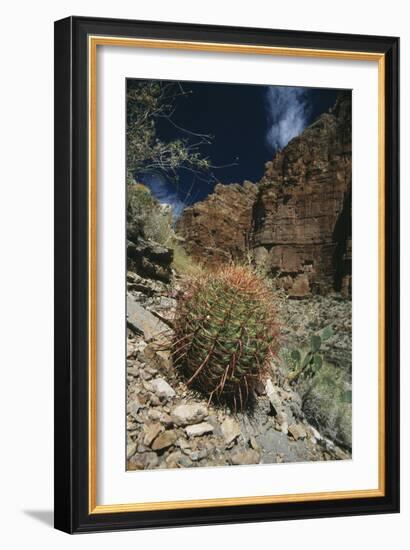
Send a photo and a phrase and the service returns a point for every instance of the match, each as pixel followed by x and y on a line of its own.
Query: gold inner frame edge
pixel 93 42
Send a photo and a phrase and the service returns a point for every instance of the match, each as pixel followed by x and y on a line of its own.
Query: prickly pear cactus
pixel 225 334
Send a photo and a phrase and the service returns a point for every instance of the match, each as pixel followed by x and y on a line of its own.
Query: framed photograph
pixel 226 274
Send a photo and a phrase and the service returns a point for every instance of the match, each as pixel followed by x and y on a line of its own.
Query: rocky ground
pixel 168 426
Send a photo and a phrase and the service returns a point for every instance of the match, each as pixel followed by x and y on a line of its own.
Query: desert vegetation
pixel 230 358
pixel 226 334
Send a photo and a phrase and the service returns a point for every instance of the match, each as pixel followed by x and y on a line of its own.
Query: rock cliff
pixel 219 228
pixel 296 222
pixel 302 215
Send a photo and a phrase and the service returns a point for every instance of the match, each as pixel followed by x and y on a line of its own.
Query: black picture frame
pixel 71 491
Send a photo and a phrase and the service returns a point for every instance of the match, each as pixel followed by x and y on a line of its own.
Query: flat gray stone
pixel 162 388
pixel 184 415
pixel 133 407
pixel 144 321
pixel 199 429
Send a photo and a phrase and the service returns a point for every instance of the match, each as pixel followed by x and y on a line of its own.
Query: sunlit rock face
pixel 302 215
pixel 296 222
pixel 219 228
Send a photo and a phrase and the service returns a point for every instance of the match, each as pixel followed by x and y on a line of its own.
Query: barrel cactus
pixel 225 334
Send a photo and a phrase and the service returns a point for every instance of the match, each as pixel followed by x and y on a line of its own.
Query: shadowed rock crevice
pixel 342 258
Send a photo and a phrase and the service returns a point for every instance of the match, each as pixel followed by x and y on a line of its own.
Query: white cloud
pixel 288 112
pixel 164 192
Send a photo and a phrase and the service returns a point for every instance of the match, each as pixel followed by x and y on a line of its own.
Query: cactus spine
pixel 225 334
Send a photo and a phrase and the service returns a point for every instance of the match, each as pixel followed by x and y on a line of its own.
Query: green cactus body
pixel 226 334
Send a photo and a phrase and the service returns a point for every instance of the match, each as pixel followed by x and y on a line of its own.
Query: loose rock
pixel 160 358
pixel 133 407
pixel 244 456
pixel 143 461
pixel 154 414
pixel 172 461
pixel 133 371
pixel 142 320
pixel 162 388
pixel 199 429
pixel 166 420
pixel 282 422
pixel 273 395
pixel 230 430
pixel 164 440
pixel 131 449
pixel 198 455
pixel 297 431
pixel 183 415
pixel 151 433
